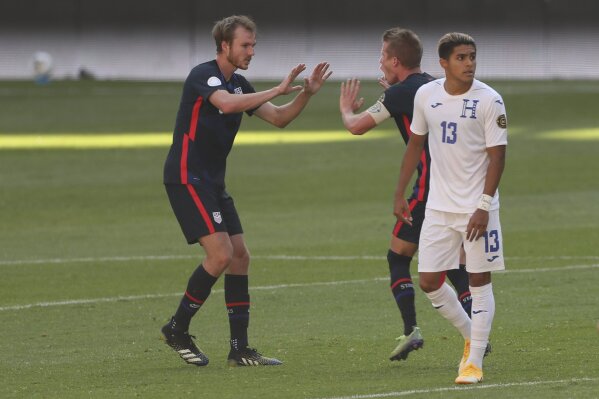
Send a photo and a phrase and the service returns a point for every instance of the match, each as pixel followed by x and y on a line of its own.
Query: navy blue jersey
pixel 203 136
pixel 399 101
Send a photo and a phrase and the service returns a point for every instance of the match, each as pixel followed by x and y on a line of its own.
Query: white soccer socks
pixel 483 311
pixel 446 302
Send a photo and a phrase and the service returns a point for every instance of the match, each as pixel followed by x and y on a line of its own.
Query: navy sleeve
pixel 202 82
pixel 398 100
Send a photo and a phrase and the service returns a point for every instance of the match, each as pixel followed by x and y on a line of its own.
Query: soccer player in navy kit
pixel 400 62
pixel 212 104
pixel 465 122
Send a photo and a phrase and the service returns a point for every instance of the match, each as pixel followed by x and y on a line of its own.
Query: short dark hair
pixel 405 45
pixel 224 29
pixel 449 41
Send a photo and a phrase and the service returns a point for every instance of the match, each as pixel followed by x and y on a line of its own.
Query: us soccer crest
pixel 217 217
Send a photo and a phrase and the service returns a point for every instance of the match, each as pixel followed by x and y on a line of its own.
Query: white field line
pixel 153 296
pixel 269 257
pixel 262 288
pixel 466 388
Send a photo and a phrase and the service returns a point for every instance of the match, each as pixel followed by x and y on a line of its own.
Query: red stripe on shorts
pixel 201 208
pixel 398 225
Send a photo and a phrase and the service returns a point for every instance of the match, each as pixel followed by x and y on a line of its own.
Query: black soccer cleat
pixel 183 344
pixel 488 349
pixel 407 344
pixel 250 357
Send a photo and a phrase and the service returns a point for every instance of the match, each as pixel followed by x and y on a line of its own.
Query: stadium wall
pixel 158 40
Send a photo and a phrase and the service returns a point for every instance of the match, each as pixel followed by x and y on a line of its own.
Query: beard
pixel 239 64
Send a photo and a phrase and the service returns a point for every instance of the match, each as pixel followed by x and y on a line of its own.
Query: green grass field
pixel 93 261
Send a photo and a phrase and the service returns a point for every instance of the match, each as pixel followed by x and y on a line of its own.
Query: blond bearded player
pixel 212 105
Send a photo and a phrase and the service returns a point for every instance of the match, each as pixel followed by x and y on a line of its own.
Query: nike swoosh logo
pixel 491 259
pixel 479 311
pixel 438 307
pixel 498 102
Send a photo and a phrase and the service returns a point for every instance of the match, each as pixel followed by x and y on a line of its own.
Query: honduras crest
pixel 217 217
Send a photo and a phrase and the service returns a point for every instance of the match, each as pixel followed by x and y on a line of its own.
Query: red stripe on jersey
pixel 201 208
pixel 401 280
pixel 199 301
pixel 406 123
pixel 190 135
pixel 422 180
pixel 195 115
pixel 184 150
pixel 398 225
pixel 233 304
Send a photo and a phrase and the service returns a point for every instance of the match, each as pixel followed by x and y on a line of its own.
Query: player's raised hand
pixel 401 210
pixel 317 78
pixel 285 87
pixel 349 94
pixel 383 82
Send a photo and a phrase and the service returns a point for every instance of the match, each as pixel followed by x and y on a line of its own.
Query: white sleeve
pixel 419 125
pixel 379 112
pixel 495 123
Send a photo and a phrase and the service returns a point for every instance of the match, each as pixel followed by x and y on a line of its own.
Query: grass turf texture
pixel 304 199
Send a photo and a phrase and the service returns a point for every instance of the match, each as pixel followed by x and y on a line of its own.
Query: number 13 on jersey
pixel 449 132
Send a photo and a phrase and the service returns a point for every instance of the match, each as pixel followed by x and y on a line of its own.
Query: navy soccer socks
pixel 237 299
pixel 403 288
pixel 198 289
pixel 459 279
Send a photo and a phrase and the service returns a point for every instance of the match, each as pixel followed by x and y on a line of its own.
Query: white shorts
pixel 442 235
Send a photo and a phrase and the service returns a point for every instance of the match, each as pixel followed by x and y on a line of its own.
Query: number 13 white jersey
pixel 460 129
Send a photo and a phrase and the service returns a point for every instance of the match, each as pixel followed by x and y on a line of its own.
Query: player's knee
pixel 221 259
pixel 427 285
pixel 242 257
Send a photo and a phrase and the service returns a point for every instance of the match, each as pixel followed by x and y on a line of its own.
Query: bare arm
pixel 229 103
pixel 280 116
pixel 349 104
pixel 408 167
pixel 480 218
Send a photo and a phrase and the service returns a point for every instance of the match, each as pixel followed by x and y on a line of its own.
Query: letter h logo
pixel 472 109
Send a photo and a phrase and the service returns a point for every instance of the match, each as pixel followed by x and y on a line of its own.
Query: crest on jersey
pixel 214 81
pixel 217 217
pixel 502 121
pixel 238 90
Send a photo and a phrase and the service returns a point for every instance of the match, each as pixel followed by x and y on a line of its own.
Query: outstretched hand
pixel 317 78
pixel 285 87
pixel 383 82
pixel 349 94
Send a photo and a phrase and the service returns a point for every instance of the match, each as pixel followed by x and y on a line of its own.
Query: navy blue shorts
pixel 201 212
pixel 408 233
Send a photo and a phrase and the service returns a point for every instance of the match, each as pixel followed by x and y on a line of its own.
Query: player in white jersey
pixel 466 126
